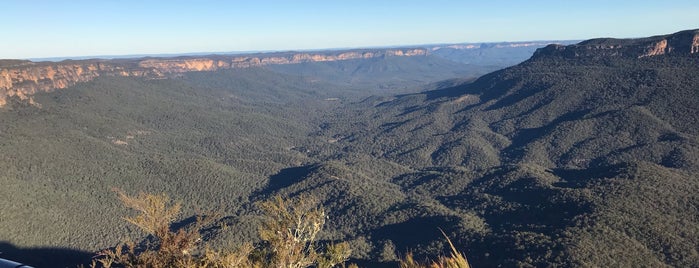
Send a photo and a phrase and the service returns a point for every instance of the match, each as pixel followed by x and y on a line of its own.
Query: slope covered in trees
pixel 575 161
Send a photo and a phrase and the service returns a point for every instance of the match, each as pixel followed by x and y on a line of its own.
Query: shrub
pixel 289 230
pixel 167 247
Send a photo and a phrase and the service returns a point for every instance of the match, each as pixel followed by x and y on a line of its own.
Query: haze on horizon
pixel 45 29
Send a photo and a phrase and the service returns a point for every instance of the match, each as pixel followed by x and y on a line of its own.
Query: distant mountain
pixel 23 78
pixel 491 54
pixel 385 75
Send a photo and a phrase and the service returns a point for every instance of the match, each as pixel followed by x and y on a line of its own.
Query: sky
pixel 54 28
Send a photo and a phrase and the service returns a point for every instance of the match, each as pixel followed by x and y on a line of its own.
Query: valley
pixel 583 155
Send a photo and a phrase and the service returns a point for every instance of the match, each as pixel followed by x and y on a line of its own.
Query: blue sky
pixel 36 29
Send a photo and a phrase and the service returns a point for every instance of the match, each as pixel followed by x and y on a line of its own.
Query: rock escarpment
pixel 29 78
pixel 680 43
pixel 24 78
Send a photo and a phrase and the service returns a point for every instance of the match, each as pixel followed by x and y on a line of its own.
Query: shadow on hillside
pixel 526 210
pixel 416 232
pixel 285 178
pixel 45 257
pixel 449 92
pixel 526 135
pixel 579 178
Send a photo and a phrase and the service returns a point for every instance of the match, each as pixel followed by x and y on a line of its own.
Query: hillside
pixel 587 160
pixel 583 155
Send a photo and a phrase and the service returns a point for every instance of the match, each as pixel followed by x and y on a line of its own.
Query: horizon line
pixel 243 52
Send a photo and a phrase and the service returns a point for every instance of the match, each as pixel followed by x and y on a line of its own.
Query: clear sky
pixel 53 28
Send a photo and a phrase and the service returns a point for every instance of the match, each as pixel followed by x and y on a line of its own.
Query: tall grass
pixel 455 260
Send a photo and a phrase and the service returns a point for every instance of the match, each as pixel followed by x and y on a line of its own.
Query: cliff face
pixel 680 43
pixel 205 64
pixel 24 78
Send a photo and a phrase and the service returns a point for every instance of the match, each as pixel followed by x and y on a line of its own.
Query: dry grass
pixel 456 260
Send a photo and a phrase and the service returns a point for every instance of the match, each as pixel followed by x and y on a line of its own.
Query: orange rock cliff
pixel 22 79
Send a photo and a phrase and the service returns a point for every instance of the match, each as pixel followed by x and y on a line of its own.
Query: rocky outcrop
pixel 163 66
pixel 680 43
pixel 24 78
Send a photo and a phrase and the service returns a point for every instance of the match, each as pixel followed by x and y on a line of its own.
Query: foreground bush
pixel 290 231
pixel 166 247
pixel 289 234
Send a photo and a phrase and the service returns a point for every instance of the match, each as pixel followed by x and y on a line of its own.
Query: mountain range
pixel 583 155
pixel 23 78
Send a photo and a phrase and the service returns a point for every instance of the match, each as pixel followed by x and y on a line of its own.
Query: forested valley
pixel 557 161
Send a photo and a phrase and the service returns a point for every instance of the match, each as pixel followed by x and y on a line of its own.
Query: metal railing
pixel 10 264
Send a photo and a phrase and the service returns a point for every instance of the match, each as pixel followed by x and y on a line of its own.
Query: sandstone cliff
pixel 25 78
pixel 680 43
